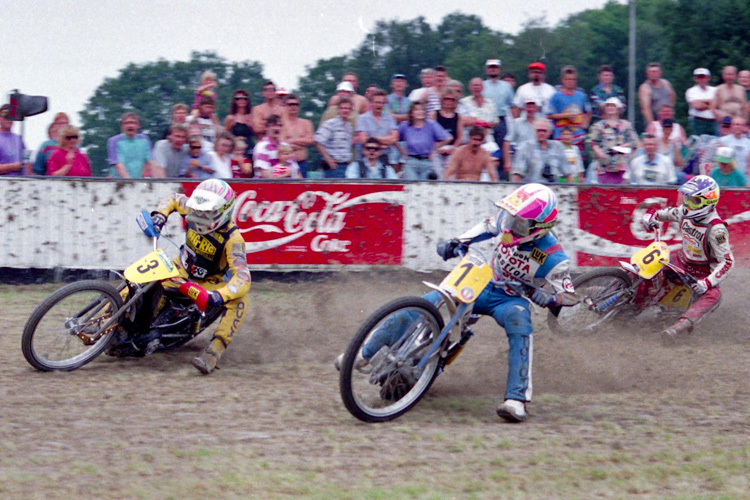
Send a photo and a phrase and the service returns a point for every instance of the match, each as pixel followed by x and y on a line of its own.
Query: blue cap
pixel 398 75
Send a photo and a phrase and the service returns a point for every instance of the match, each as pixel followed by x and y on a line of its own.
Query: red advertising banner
pixel 610 227
pixel 320 224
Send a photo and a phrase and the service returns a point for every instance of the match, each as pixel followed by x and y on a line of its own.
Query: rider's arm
pixel 485 230
pixel 672 214
pixel 559 277
pixel 718 244
pixel 173 203
pixel 239 284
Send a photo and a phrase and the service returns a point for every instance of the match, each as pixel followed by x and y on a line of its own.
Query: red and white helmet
pixel 210 206
pixel 528 213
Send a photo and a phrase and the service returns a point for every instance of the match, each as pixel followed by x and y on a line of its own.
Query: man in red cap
pixel 535 90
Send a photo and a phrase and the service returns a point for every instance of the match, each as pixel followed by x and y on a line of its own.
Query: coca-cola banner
pixel 610 228
pixel 319 224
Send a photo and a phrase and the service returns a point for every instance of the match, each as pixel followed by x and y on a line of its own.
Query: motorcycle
pixel 612 293
pixel 427 339
pixel 80 321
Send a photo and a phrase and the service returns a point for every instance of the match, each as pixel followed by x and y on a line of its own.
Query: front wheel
pixel 603 294
pixel 380 378
pixel 69 328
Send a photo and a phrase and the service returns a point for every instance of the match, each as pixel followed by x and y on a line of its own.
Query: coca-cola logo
pixel 309 212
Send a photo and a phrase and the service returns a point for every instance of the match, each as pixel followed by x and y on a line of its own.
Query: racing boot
pixel 683 326
pixel 360 363
pixel 206 362
pixel 512 410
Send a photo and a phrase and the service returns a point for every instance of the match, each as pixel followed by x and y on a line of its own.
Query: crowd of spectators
pixel 537 132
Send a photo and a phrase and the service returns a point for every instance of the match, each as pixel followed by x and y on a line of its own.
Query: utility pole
pixel 631 64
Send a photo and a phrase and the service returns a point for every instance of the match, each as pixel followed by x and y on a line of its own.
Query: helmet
pixel 528 213
pixel 210 205
pixel 699 196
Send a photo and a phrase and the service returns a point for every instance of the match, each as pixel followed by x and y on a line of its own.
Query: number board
pixel 155 266
pixel 651 259
pixel 468 279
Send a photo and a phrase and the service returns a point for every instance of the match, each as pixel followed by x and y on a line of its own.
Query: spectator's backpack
pixel 363 170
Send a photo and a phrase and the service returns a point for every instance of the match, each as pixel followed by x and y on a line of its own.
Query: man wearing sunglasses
pixel 705 254
pixel 371 166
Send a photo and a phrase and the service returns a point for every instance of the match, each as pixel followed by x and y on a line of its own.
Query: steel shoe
pixel 512 410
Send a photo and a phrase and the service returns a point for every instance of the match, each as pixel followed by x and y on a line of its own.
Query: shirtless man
pixel 271 105
pixel 297 132
pixel 469 160
pixel 731 98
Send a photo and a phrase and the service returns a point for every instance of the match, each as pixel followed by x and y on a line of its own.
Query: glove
pixel 699 287
pixel 158 219
pixel 543 298
pixel 215 299
pixel 447 248
pixel 649 221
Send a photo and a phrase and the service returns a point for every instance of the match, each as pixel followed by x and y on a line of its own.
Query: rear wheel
pixel 67 330
pixel 393 340
pixel 603 292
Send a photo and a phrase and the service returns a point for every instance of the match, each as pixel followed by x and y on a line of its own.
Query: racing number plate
pixel 678 297
pixel 468 279
pixel 651 259
pixel 155 266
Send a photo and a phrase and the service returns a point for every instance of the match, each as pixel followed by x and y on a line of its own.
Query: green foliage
pixel 151 89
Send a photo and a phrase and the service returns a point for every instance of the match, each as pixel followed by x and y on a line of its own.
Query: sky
pixel 65 49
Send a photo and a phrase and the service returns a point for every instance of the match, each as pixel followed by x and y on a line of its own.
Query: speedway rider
pixel 705 253
pixel 213 251
pixel 528 253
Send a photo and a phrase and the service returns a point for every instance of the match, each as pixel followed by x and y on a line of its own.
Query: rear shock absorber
pixel 609 302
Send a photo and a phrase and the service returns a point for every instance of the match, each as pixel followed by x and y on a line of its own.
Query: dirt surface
pixel 614 415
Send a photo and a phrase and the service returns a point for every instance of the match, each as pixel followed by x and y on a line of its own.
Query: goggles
pixel 693 202
pixel 517 226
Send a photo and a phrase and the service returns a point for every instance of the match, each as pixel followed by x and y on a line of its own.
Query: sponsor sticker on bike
pixel 468 278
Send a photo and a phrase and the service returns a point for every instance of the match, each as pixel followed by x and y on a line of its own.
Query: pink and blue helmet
pixel 528 213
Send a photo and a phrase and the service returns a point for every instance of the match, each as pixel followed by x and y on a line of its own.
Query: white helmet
pixel 210 205
pixel 700 195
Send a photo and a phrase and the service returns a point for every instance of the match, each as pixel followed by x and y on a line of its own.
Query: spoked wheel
pixel 603 294
pixel 380 378
pixel 67 330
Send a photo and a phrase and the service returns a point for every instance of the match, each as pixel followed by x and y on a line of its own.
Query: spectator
pixel 725 173
pixel 376 123
pixel 271 105
pixel 705 162
pixel 654 92
pixel 569 107
pixel 239 121
pixel 343 90
pixel 206 118
pixel 266 152
pixel 470 160
pixel 221 157
pixel 536 89
pixel 48 147
pixel 651 168
pixel 334 139
pixel 206 88
pixel 439 78
pixel 11 146
pixel 730 99
pixel 572 154
pixel 739 143
pixel 655 128
pixel 669 143
pixel 371 166
pixel 297 132
pixel 482 111
pixel 368 95
pixel 743 78
pixel 501 94
pixel 461 108
pixel 129 153
pixel 169 153
pixel 510 79
pixel 197 164
pixel 427 76
pixel 422 138
pixel 521 131
pixel 541 160
pixel 286 168
pixel 179 116
pixel 700 98
pixel 242 167
pixel 453 123
pixel 67 160
pixel 611 139
pixel 603 91
pixel 361 104
pixel 194 128
pixel 398 104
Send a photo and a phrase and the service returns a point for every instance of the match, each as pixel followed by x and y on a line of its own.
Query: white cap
pixel 493 62
pixel 614 100
pixel 724 154
pixel 345 86
pixel 701 72
pixel 621 149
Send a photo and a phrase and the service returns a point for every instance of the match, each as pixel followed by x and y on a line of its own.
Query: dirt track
pixel 614 415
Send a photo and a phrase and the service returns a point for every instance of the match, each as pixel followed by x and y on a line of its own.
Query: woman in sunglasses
pixel 68 160
pixel 239 121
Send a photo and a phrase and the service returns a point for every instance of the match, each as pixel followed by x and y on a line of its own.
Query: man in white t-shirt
pixel 739 143
pixel 700 97
pixel 535 90
pixel 651 168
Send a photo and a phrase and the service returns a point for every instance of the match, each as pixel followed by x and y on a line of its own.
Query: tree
pixel 150 89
